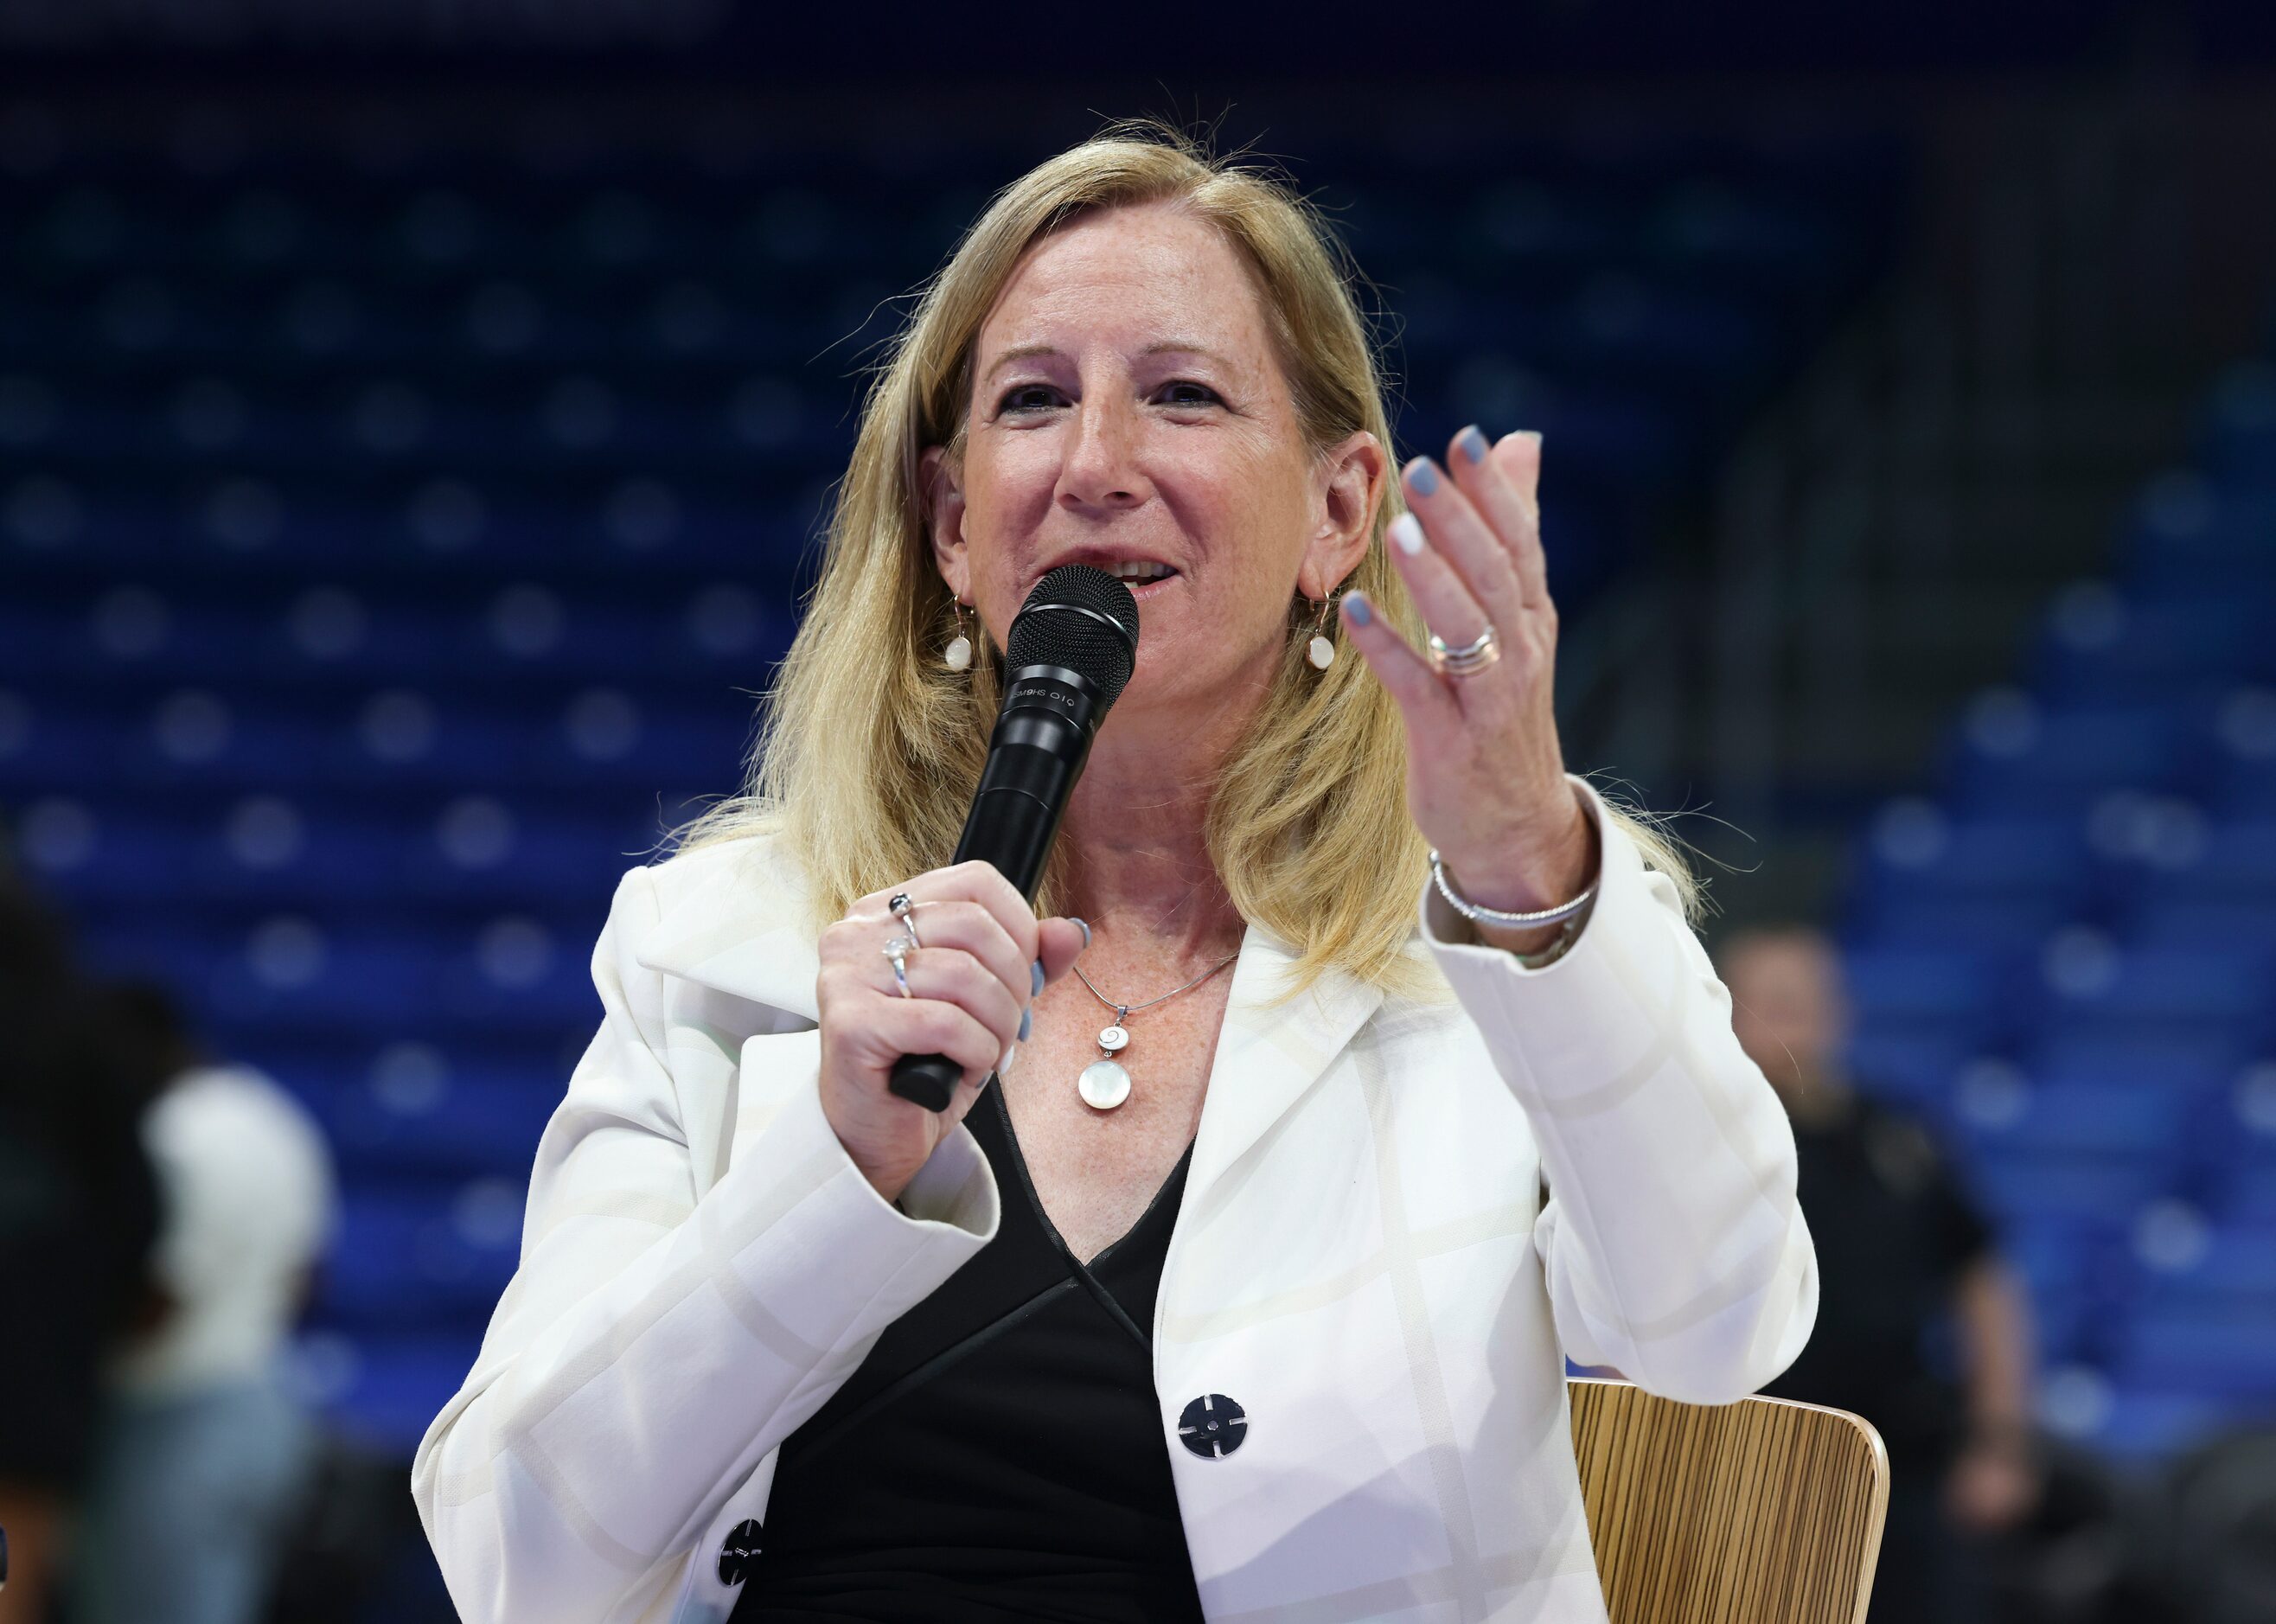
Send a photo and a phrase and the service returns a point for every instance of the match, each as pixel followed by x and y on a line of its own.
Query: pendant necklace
pixel 1105 1082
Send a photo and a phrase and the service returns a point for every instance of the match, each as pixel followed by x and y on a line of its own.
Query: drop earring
pixel 958 655
pixel 1321 652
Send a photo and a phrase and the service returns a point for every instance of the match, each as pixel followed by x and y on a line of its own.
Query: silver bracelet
pixel 1542 959
pixel 1483 915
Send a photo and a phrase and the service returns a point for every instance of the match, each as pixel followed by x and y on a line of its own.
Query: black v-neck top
pixel 1000 1454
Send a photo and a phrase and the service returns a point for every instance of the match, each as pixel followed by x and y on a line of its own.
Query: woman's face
pixel 1129 411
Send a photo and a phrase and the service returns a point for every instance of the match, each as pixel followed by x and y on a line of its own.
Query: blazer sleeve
pixel 1673 1245
pixel 653 1345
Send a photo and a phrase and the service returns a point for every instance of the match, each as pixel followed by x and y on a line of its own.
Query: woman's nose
pixel 1100 470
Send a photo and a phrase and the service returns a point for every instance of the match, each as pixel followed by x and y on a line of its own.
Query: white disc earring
pixel 958 655
pixel 1321 652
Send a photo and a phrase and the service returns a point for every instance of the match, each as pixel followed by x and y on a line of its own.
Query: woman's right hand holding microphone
pixel 981 957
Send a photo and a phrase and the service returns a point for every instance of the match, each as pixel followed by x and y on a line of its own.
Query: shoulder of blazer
pixel 735 917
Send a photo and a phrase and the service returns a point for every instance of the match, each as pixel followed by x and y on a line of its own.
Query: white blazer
pixel 1362 1262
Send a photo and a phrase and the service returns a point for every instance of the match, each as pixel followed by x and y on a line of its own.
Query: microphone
pixel 1070 652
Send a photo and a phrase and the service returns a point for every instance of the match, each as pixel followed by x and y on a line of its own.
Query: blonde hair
pixel 870 748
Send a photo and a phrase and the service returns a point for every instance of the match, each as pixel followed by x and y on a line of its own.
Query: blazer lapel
pixel 1269 1053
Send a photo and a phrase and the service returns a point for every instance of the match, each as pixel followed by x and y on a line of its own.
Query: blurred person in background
pixel 1903 1249
pixel 78 1212
pixel 205 1455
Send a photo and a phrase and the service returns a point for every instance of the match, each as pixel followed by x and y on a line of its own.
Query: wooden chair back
pixel 1762 1512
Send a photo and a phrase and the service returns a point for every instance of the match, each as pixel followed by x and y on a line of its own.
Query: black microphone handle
pixel 1038 749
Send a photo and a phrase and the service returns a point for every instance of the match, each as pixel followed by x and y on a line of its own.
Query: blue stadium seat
pixel 2248 1199
pixel 2219 1351
pixel 2060 760
pixel 2071 1278
pixel 2157 922
pixel 1898 1060
pixel 2028 859
pixel 2187 532
pixel 2190 1065
pixel 2076 1120
pixel 2237 863
pixel 419 1256
pixel 2233 1270
pixel 2126 651
pixel 2145 1427
pixel 1954 990
pixel 2001 927
pixel 416 1113
pixel 2170 992
pixel 385 1385
pixel 2101 1194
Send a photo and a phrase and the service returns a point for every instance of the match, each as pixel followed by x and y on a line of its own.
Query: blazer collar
pixel 744 931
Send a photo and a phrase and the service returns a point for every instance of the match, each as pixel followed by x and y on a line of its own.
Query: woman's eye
pixel 1027 397
pixel 1187 392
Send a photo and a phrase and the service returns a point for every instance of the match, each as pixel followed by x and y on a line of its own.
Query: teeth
pixel 1137 570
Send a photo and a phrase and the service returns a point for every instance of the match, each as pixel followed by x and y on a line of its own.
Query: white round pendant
pixel 1112 1039
pixel 958 655
pixel 1321 654
pixel 1103 1085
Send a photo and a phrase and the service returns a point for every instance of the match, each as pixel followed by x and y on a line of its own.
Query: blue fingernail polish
pixel 1037 970
pixel 1356 604
pixel 1027 1023
pixel 1423 474
pixel 1086 930
pixel 1472 443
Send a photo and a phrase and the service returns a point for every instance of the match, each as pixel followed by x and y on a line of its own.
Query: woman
pixel 1280 1334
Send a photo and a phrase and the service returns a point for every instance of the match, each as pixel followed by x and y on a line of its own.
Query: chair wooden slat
pixel 1762 1512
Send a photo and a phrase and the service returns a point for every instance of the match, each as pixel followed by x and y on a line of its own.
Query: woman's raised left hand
pixel 1486 774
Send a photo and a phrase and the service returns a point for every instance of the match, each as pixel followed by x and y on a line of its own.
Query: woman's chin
pixel 1184 672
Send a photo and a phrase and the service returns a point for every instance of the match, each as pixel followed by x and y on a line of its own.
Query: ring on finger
pixel 906 911
pixel 1470 658
pixel 897 951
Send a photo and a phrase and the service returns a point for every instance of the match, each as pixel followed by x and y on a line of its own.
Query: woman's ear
pixel 1351 484
pixel 944 514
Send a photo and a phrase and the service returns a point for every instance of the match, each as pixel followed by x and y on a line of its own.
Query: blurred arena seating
pixel 394 546
pixel 2066 957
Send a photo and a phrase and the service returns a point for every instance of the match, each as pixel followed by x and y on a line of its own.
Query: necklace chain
pixel 1105 1082
pixel 1123 1011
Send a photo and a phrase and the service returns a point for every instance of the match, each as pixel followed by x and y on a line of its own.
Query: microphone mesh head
pixel 1100 646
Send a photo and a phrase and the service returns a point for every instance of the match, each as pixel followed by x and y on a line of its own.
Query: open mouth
pixel 1137 572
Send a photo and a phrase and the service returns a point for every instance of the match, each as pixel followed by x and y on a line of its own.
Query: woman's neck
pixel 1136 832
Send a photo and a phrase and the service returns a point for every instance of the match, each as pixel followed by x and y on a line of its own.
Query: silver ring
pixel 906 912
pixel 897 951
pixel 1468 660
